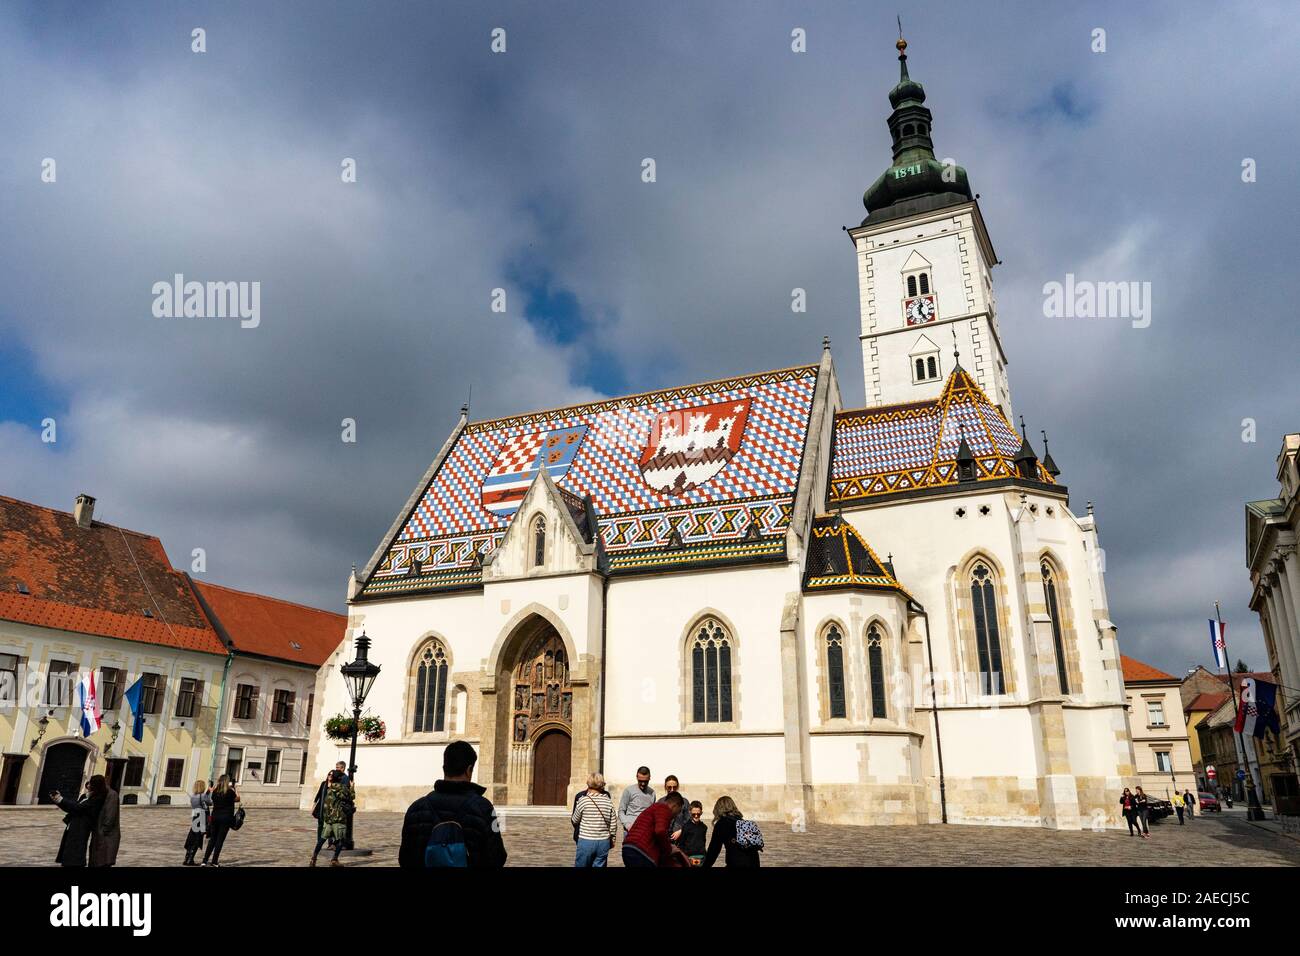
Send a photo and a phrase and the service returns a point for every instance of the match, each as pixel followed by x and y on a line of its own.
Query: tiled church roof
pixel 699 474
pixel 901 448
pixel 839 557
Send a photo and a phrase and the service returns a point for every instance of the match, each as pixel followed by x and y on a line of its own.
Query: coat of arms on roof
pixel 688 447
pixel 519 461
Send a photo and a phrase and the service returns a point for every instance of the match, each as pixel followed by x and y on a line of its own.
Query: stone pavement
pixel 153 836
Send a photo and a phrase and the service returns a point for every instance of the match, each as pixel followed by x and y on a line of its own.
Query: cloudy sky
pixel 521 170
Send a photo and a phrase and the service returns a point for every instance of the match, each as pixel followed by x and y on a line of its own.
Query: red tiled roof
pixel 97 580
pixel 1258 675
pixel 1206 702
pixel 1135 672
pixel 273 628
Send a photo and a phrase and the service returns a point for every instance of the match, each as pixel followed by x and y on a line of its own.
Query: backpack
pixel 446 846
pixel 748 835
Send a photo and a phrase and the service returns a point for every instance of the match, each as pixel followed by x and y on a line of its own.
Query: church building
pixel 879 615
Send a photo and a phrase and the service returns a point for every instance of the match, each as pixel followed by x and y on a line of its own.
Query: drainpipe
pixel 221 709
pixel 934 707
pixel 604 656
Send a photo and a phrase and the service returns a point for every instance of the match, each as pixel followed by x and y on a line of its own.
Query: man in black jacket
pixel 454 797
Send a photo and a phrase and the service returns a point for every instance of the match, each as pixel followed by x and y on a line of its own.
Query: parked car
pixel 1158 808
pixel 1210 802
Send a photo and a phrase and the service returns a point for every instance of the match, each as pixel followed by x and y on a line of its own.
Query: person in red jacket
pixel 649 842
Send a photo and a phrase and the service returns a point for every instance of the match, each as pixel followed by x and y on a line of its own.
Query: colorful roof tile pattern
pixel 839 557
pixel 99 580
pixel 902 448
pixel 697 474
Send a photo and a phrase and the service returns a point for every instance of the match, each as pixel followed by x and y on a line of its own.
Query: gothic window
pixel 911 285
pixel 920 370
pixel 430 689
pixel 932 366
pixel 835 672
pixel 876 666
pixel 925 368
pixel 988 639
pixel 543 693
pixel 711 674
pixel 1054 611
pixel 925 283
pixel 539 542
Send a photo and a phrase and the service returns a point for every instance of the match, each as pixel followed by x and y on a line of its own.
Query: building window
pixel 110 688
pixel 190 698
pixel 988 639
pixel 1163 762
pixel 925 283
pixel 431 689
pixel 876 666
pixel 302 769
pixel 911 286
pixel 311 708
pixel 175 773
pixel 8 679
pixel 234 763
pixel 273 766
pixel 925 368
pixel 835 672
pixel 711 674
pixel 151 696
pixel 1155 713
pixel 58 684
pixel 133 775
pixel 1054 611
pixel 282 707
pixel 245 701
pixel 539 541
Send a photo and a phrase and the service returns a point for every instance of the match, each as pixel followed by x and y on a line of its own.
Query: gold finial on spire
pixel 901 44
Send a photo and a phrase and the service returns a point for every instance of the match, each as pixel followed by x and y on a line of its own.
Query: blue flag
pixel 133 698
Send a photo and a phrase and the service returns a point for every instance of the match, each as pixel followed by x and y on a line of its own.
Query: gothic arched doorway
pixel 63 770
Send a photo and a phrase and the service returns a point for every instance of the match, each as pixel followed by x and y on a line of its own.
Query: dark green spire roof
pixel 916 181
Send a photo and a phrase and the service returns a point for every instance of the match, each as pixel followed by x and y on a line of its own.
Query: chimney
pixel 84 510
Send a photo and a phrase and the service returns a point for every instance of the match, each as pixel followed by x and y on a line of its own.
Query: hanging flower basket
pixel 371 728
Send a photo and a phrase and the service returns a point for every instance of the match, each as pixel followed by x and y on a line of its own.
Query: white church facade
pixel 884 615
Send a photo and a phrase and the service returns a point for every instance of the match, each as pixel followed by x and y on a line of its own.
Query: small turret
pixel 1026 461
pixel 1049 466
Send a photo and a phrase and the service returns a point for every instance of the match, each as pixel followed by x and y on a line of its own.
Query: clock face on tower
pixel 919 310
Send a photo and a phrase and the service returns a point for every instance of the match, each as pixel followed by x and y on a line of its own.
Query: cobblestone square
pixel 153 836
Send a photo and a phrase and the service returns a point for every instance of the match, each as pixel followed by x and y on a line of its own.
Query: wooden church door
pixel 551 769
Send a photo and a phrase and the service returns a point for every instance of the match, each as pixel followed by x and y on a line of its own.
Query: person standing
pixel 1128 807
pixel 107 834
pixel 200 806
pixel 457 808
pixel 636 798
pixel 332 812
pixel 597 827
pixel 1189 802
pixel 673 785
pixel 648 843
pixel 224 798
pixel 80 819
pixel 727 822
pixel 694 839
pixel 1143 809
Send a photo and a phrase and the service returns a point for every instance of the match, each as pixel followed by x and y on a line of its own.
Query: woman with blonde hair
pixel 200 805
pixel 594 824
pixel 224 798
pixel 741 838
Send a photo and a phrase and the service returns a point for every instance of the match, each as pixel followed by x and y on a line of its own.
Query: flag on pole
pixel 1219 643
pixel 91 718
pixel 133 698
pixel 1258 711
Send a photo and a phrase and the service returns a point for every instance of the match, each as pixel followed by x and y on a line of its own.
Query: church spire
pixel 1048 464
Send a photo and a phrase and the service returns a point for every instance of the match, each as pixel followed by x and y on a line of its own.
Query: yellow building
pixel 1161 751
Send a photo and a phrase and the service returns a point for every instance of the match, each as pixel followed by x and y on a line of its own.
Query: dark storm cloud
pixel 523 171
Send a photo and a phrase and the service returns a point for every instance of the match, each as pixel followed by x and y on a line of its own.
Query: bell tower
pixel 924 268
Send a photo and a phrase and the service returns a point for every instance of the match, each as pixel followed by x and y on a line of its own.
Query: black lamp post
pixel 360 675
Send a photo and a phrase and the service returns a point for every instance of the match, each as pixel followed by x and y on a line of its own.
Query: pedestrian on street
pixel 224 798
pixel 333 807
pixel 200 808
pixel 673 785
pixel 1143 808
pixel 80 817
pixel 1178 807
pixel 636 798
pixel 694 839
pixel 740 837
pixel 1128 807
pixel 648 843
pixel 454 824
pixel 594 824
pixel 106 837
pixel 1190 803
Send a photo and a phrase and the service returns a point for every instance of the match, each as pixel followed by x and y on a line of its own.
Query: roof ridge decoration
pixel 904 448
pixel 839 557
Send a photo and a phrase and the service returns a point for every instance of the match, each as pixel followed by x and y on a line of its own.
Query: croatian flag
pixel 519 461
pixel 91 718
pixel 1219 643
pixel 1258 711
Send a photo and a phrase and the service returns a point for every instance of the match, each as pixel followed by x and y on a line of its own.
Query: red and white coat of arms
pixel 690 446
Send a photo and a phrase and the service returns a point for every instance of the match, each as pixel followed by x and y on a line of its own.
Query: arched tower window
pixel 539 541
pixel 925 283
pixel 932 366
pixel 835 673
pixel 430 689
pixel 1058 637
pixel 876 667
pixel 988 639
pixel 711 673
pixel 911 285
pixel 920 370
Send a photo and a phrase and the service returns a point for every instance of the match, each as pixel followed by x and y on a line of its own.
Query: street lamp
pixel 117 729
pixel 360 676
pixel 44 725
